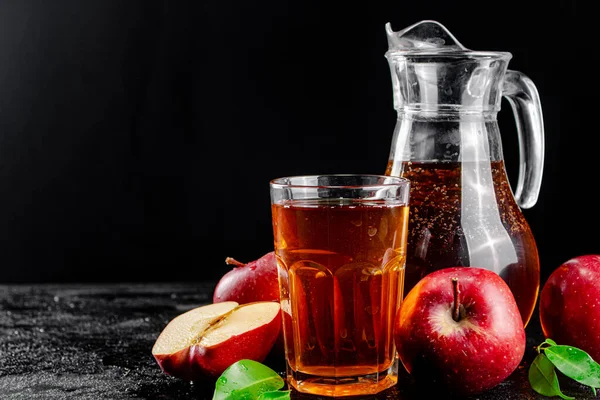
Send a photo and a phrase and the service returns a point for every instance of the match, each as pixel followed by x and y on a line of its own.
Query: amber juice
pixel 438 235
pixel 341 272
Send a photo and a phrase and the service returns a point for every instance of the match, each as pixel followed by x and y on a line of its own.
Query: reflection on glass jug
pixel 447 143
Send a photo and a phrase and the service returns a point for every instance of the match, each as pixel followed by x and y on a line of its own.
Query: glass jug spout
pixel 424 35
pixel 433 72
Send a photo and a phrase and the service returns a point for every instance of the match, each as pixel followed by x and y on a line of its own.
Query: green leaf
pixel 543 379
pixel 545 344
pixel 576 364
pixel 279 395
pixel 246 380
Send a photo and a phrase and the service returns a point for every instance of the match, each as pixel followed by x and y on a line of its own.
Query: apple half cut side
pixel 206 340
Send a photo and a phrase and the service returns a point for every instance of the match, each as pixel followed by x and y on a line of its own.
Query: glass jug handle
pixel 523 97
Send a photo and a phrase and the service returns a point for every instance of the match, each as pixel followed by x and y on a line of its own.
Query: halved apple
pixel 206 340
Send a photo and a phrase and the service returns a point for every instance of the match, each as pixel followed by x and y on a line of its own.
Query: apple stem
pixel 456 308
pixel 233 261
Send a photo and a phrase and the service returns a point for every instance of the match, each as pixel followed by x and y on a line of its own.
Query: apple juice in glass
pixel 340 244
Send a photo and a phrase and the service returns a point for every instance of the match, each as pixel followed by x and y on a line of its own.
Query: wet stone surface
pixel 94 342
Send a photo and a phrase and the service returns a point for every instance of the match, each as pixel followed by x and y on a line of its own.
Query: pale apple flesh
pixel 467 346
pixel 205 341
pixel 185 328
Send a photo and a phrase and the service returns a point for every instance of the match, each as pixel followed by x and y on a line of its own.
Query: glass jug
pixel 447 143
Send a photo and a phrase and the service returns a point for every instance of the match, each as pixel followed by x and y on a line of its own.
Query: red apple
pixel 206 340
pixel 247 283
pixel 460 329
pixel 570 304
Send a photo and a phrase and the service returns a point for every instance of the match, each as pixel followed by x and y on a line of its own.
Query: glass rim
pixel 454 54
pixel 397 182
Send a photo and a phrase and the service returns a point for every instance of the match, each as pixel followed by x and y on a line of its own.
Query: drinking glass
pixel 340 244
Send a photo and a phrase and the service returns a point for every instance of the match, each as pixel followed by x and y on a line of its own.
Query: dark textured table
pixel 84 341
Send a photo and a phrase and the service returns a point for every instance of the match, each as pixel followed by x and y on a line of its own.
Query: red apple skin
pixel 247 283
pixel 463 359
pixel 183 364
pixel 253 345
pixel 196 362
pixel 570 304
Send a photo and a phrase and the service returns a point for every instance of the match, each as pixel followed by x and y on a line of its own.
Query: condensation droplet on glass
pixel 320 274
pixel 372 231
pixel 383 228
pixel 371 271
pixel 356 223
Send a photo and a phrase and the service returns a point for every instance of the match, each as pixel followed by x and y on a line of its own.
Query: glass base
pixel 342 386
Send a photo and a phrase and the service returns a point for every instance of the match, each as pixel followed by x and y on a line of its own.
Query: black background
pixel 137 138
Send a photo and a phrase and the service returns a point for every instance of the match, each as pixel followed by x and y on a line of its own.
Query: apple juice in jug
pixel 436 235
pixel 447 143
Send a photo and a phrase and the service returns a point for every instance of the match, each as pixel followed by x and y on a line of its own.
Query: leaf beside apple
pixel 574 363
pixel 543 378
pixel 248 379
